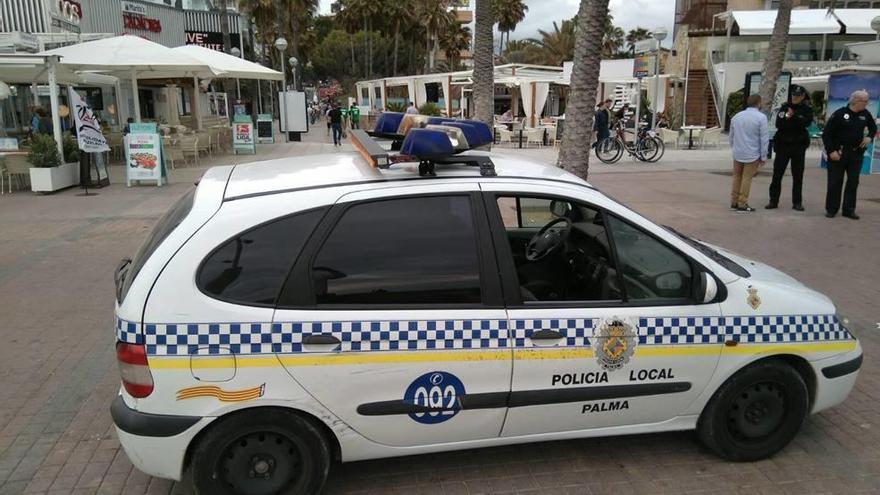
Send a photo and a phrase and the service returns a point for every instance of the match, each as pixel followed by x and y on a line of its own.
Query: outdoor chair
pixel 670 137
pixel 203 142
pixel 4 177
pixel 115 142
pixel 534 136
pixel 172 150
pixel 18 170
pixel 710 136
pixel 215 144
pixel 189 146
pixel 505 136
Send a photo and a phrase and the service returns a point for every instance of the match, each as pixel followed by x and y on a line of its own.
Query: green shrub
pixel 395 106
pixel 71 149
pixel 430 109
pixel 44 152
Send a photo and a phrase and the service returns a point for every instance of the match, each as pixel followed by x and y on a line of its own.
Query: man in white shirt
pixel 412 110
pixel 749 142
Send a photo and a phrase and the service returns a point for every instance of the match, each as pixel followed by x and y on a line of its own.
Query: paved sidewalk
pixel 57 254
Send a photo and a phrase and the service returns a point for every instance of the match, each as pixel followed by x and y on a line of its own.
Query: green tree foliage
pixel 332 57
pixel 44 152
pixel 431 109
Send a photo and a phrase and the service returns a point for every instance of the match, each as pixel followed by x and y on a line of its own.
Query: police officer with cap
pixel 845 142
pixel 791 142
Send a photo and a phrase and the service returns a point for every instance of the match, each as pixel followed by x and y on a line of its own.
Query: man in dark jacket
pixel 845 143
pixel 791 142
pixel 335 116
pixel 601 125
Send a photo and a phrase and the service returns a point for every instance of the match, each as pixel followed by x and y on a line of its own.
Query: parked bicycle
pixel 647 147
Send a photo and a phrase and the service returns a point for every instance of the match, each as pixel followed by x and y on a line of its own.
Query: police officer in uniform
pixel 791 143
pixel 845 143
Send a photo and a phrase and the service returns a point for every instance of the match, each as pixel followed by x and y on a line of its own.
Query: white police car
pixel 290 312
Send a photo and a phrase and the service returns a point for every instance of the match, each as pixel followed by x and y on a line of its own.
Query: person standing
pixel 749 141
pixel 335 119
pixel 845 143
pixel 412 109
pixel 354 114
pixel 601 124
pixel 791 142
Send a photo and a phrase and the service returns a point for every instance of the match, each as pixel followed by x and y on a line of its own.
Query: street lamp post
pixel 237 53
pixel 659 35
pixel 281 45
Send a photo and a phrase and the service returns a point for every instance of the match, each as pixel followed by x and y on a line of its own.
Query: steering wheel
pixel 546 241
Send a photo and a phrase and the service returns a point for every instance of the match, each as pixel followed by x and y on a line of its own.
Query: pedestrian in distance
pixel 411 109
pixel 749 141
pixel 601 124
pixel 845 144
pixel 791 142
pixel 354 114
pixel 327 118
pixel 335 119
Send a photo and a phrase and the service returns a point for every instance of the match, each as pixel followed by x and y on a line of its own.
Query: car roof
pixel 345 168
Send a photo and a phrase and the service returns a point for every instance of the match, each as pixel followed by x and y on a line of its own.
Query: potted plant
pixel 48 173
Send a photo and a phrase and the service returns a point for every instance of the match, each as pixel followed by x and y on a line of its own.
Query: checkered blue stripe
pixel 575 331
pixel 256 338
pixel 745 329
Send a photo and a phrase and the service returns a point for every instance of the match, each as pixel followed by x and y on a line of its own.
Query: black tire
pixel 260 452
pixel 609 150
pixel 756 413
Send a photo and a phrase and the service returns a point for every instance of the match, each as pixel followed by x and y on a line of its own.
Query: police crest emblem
pixel 753 299
pixel 614 342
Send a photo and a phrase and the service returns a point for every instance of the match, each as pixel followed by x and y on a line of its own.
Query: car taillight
pixel 134 369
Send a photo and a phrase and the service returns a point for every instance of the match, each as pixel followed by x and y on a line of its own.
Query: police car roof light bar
pixel 428 140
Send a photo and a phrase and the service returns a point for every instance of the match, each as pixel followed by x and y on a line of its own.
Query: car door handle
pixel 546 335
pixel 321 339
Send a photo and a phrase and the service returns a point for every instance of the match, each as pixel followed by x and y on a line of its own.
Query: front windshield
pixel 712 253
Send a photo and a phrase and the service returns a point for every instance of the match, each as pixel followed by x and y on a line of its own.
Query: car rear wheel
pixel 756 413
pixel 261 452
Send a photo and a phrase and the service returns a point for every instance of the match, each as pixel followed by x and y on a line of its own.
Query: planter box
pixel 54 178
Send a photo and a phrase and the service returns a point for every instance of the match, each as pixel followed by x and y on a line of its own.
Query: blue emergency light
pixel 429 140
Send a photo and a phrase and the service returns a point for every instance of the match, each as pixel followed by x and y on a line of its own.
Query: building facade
pixel 717 42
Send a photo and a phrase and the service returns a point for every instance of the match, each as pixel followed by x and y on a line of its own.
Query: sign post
pixel 91 142
pixel 243 138
pixel 265 128
pixel 143 155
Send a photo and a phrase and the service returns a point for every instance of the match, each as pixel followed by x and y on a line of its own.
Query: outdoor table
pixel 691 129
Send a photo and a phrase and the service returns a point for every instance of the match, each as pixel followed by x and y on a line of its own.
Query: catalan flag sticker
pixel 220 394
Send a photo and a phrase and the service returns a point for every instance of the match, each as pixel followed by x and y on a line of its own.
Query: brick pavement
pixel 58 372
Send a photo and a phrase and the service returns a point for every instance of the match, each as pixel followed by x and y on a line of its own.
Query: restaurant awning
pixel 857 21
pixel 810 21
pixel 123 54
pixel 231 66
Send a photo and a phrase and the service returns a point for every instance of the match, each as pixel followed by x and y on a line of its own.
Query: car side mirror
pixel 708 287
pixel 560 208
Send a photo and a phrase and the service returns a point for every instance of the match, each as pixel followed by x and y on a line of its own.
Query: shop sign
pixel 210 39
pixel 66 15
pixel 243 139
pixel 134 16
pixel 643 67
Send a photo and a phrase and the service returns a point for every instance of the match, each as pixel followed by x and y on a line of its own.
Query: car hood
pixel 759 271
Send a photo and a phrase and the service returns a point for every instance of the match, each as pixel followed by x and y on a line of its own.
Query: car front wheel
pixel 756 413
pixel 261 452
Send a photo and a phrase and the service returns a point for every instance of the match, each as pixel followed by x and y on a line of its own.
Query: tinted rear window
pixel 169 221
pixel 251 267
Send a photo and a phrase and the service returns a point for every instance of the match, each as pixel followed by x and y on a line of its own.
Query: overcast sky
pixel 627 14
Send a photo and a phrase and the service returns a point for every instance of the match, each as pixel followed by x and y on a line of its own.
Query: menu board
pixel 143 154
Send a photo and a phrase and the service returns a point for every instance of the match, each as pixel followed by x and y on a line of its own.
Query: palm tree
pixel 775 55
pixel 522 52
pixel 453 42
pixel 557 46
pixel 436 18
pixel 484 82
pixel 575 153
pixel 402 13
pixel 508 13
pixel 635 35
pixel 612 39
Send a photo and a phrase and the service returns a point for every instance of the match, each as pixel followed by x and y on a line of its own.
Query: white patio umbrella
pixel 131 56
pixel 231 66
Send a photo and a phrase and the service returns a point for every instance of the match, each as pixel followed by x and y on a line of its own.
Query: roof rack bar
pixel 369 149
